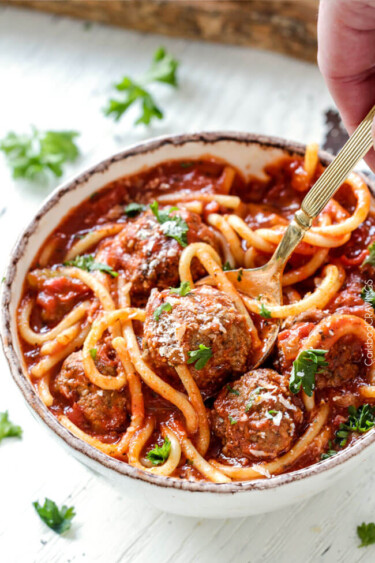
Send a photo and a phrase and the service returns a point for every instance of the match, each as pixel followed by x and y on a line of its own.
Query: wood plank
pixel 284 26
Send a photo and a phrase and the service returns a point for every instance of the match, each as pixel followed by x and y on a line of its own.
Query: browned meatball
pixel 104 411
pixel 344 358
pixel 345 362
pixel 205 316
pixel 149 258
pixel 257 417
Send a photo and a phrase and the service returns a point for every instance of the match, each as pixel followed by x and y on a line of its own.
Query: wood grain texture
pixel 284 26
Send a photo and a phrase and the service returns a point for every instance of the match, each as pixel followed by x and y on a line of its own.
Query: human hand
pixel 346 57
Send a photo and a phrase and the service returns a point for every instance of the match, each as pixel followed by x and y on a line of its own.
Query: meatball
pixel 103 411
pixel 345 362
pixel 257 417
pixel 205 316
pixel 149 258
pixel 344 357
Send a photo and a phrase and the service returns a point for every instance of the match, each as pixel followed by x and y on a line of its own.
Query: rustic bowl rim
pixel 51 421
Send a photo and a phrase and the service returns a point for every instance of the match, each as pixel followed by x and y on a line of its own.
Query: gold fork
pixel 267 280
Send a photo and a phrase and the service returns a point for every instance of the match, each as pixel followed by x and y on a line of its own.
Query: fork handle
pixel 351 153
pixel 328 183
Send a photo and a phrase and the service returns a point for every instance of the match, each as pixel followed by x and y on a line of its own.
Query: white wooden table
pixel 56 74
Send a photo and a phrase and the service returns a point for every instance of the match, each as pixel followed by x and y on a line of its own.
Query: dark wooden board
pixel 284 26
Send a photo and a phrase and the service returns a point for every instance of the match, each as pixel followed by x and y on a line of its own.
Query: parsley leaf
pixel 183 290
pixel 163 307
pixel 200 356
pixel 231 390
pixel 133 209
pixel 159 454
pixel 305 367
pixel 368 295
pixel 360 420
pixel 87 262
pixel 173 226
pixel 59 520
pixel 239 276
pixel 163 69
pixel 39 153
pixel 366 533
pixel 329 453
pixel 371 257
pixel 7 428
pixel 264 312
pixel 232 420
pixel 93 353
pixel 227 267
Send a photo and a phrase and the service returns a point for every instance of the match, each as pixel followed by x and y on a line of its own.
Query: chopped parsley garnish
pixel 186 164
pixel 329 453
pixel 173 226
pixel 200 356
pixel 7 428
pixel 93 353
pixel 39 153
pixel 305 367
pixel 231 390
pixel 264 312
pixel 371 257
pixel 227 267
pixel 240 274
pixel 163 69
pixel 232 420
pixel 159 454
pixel 133 209
pixel 366 533
pixel 273 412
pixel 87 262
pixel 183 290
pixel 360 420
pixel 368 295
pixel 250 403
pixel 59 520
pixel 159 310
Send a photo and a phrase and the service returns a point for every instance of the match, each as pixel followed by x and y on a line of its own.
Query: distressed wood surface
pixel 56 73
pixel 280 25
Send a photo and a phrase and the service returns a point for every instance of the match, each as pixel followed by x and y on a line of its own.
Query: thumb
pixel 370 157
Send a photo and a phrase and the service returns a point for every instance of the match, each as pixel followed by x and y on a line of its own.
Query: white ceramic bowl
pixel 249 153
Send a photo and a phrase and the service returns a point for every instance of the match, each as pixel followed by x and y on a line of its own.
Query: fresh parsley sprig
pixel 366 533
pixel 200 356
pixel 183 290
pixel 173 226
pixel 159 454
pixel 305 367
pixel 7 428
pixel 59 520
pixel 264 312
pixel 360 420
pixel 163 69
pixel 368 295
pixel 159 310
pixel 133 209
pixel 87 262
pixel 232 390
pixel 329 453
pixel 371 257
pixel 40 153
